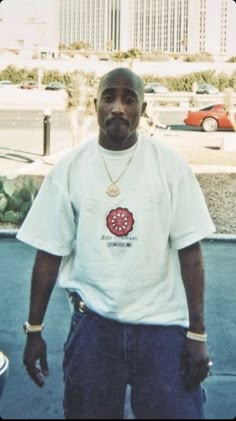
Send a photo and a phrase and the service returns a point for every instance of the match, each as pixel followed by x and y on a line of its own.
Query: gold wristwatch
pixel 28 328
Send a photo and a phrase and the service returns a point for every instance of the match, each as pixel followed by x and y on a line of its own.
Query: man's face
pixel 119 106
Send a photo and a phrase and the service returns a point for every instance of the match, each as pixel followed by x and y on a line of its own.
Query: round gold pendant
pixel 113 190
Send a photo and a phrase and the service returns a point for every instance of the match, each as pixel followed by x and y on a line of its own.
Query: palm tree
pixel 79 104
pixel 73 106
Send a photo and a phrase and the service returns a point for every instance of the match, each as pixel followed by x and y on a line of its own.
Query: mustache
pixel 117 121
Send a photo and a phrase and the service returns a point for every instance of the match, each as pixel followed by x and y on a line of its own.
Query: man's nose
pixel 118 108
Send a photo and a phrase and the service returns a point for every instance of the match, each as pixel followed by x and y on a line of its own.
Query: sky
pixel 14 14
pixel 16 11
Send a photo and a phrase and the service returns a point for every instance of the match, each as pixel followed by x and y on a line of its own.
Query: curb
pixel 221 237
pixel 11 233
pixel 8 233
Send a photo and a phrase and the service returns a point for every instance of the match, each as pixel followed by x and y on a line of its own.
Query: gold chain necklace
pixel 113 190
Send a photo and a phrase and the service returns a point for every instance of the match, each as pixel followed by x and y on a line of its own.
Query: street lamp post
pixel 46 132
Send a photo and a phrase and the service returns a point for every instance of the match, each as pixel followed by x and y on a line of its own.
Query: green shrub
pixel 90 80
pixel 16 201
pixel 156 56
pixel 231 59
pixel 17 75
pixel 199 57
pixel 185 82
pixel 124 55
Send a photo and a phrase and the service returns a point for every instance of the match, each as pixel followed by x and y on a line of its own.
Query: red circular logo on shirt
pixel 120 221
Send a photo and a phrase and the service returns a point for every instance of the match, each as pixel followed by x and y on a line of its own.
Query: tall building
pixel 95 22
pixel 172 26
pixel 189 26
pixel 123 24
pixel 160 25
pixel 212 26
pixel 149 25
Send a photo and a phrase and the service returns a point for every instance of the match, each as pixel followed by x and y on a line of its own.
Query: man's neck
pixel 116 144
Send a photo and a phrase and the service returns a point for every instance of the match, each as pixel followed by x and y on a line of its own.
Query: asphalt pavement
pixel 22 140
pixel 23 400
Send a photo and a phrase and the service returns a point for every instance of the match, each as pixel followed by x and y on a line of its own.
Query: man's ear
pixel 95 103
pixel 144 105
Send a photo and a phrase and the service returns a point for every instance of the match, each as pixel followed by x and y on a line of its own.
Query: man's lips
pixel 117 122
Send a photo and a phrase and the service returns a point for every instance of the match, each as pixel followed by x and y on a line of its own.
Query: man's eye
pixel 107 98
pixel 130 100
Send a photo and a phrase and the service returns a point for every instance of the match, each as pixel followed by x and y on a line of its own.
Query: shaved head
pixel 122 77
pixel 119 106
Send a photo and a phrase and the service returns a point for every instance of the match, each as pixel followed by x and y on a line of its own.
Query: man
pixel 118 222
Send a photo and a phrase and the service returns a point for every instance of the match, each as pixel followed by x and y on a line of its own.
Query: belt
pixel 79 304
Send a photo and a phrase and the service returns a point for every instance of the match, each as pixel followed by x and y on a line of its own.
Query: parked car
pixel 29 84
pixel 155 88
pixel 55 86
pixel 206 88
pixel 6 84
pixel 4 371
pixel 210 118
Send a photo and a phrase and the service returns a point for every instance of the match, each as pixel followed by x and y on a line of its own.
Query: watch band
pixel 28 328
pixel 200 337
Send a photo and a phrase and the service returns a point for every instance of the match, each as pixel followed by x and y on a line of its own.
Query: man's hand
pixel 44 276
pixel 195 363
pixel 36 350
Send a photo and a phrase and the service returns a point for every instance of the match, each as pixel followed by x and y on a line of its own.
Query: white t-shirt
pixel 121 253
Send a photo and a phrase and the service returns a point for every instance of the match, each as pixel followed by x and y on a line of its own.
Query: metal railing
pixel 185 99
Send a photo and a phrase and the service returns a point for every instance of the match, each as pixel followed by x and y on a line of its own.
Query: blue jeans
pixel 103 356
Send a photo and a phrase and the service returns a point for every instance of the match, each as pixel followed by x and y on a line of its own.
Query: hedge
pixel 174 83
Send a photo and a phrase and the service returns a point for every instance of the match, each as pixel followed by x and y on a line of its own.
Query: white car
pixel 206 88
pixel 6 84
pixel 155 88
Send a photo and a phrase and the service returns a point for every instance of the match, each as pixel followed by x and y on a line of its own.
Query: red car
pixel 29 84
pixel 210 118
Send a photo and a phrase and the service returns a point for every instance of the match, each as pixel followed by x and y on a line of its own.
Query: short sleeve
pixel 190 220
pixel 50 223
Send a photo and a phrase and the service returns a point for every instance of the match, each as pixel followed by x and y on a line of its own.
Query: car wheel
pixel 209 124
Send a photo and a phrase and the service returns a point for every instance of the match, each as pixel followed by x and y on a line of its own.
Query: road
pixel 22 139
pixel 23 400
pixel 32 119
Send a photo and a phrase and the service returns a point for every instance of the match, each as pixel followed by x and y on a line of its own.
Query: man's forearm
pixel 192 270
pixel 44 276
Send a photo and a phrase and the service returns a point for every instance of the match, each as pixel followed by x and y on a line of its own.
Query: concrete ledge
pixel 221 237
pixel 8 233
pixel 11 233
